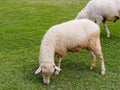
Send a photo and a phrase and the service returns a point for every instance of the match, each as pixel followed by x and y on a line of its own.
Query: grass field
pixel 22 26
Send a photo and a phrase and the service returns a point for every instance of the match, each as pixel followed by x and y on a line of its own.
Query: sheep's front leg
pixel 99 20
pixel 106 28
pixel 59 63
pixel 93 61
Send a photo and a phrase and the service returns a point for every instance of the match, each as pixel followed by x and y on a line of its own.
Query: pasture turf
pixel 22 26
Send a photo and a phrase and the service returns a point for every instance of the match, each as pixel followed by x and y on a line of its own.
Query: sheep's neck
pixel 47 54
pixel 83 14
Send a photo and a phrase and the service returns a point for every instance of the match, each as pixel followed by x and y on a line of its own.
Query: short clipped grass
pixel 22 26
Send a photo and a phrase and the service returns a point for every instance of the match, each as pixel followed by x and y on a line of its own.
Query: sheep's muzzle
pixel 46 79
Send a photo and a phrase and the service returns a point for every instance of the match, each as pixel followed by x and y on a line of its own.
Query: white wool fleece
pixel 99 11
pixel 66 36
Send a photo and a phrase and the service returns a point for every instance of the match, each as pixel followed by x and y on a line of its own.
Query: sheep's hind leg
pixel 96 48
pixel 102 64
pixel 98 51
pixel 59 63
pixel 93 61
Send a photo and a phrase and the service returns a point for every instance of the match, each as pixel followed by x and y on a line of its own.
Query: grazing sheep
pixel 101 10
pixel 71 36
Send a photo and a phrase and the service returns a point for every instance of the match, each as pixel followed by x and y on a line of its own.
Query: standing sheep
pixel 101 10
pixel 71 36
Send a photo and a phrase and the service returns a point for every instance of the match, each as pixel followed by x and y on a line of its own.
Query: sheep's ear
pixel 38 70
pixel 57 68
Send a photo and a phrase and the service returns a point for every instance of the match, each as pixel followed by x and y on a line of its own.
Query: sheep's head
pixel 47 70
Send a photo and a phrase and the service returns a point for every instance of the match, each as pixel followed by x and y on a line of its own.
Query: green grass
pixel 22 26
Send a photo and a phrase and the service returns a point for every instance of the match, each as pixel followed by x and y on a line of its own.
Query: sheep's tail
pixel 38 70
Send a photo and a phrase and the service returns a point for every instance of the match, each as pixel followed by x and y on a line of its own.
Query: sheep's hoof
pixel 92 67
pixel 108 36
pixel 57 72
pixel 102 72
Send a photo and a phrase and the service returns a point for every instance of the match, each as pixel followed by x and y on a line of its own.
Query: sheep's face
pixel 47 70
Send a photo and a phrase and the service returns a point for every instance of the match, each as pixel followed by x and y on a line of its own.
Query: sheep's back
pixel 74 34
pixel 103 8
